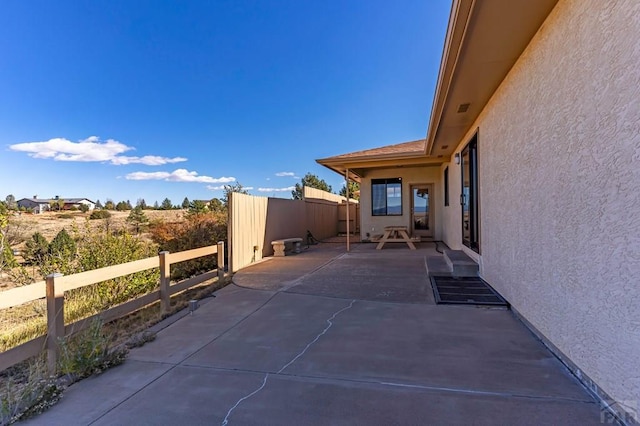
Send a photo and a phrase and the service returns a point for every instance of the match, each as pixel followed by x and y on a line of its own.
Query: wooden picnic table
pixel 395 234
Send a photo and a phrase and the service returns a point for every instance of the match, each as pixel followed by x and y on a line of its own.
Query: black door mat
pixel 464 290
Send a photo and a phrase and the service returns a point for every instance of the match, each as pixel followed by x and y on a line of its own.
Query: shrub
pixel 65 216
pixel 88 353
pixel 98 250
pixel 198 230
pixel 61 255
pixel 36 249
pixel 100 214
pixel 84 208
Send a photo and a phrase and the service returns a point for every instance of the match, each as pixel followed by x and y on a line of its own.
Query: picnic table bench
pixel 395 234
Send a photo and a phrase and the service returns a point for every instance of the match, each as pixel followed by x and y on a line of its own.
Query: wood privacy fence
pixel 256 221
pixel 55 286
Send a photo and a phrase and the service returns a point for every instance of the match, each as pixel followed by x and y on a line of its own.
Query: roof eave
pixel 484 40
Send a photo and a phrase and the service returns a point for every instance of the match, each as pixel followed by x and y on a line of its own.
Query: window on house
pixel 446 186
pixel 386 197
pixel 469 196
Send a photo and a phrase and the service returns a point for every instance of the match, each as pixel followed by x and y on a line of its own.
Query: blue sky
pixel 152 99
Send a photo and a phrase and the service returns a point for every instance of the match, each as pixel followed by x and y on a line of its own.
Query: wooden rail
pixel 55 285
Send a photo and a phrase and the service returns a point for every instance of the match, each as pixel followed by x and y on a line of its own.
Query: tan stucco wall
pixel 559 165
pixel 374 225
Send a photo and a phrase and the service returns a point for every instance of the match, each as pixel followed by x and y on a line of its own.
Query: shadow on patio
pixel 329 337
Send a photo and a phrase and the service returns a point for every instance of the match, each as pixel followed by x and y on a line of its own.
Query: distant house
pixel 70 203
pixel 36 205
pixel 39 205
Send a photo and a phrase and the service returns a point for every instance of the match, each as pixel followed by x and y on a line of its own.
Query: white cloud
pixel 288 188
pixel 91 149
pixel 149 160
pixel 179 175
pixel 287 174
pixel 221 187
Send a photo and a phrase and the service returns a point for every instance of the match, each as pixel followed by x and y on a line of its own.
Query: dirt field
pixel 50 223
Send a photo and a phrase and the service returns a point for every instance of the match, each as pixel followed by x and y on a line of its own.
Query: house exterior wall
pixel 90 204
pixel 36 207
pixel 559 176
pixel 374 225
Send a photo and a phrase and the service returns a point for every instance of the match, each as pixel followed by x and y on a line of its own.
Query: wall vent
pixel 463 107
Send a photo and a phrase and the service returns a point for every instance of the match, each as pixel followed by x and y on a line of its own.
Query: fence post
pixel 220 260
pixel 55 321
pixel 165 278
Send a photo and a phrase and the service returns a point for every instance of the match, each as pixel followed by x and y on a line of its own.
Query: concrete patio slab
pixel 312 401
pixel 194 331
pixel 479 350
pixel 405 288
pixel 89 399
pixel 318 402
pixel 271 337
pixel 329 347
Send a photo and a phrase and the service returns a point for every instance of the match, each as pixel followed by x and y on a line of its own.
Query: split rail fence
pixel 55 286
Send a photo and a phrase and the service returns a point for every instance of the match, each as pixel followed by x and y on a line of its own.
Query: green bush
pixel 88 352
pixel 36 249
pixel 61 255
pixel 99 250
pixel 100 214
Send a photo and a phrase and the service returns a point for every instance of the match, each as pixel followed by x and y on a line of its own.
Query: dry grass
pixel 50 223
pixel 29 321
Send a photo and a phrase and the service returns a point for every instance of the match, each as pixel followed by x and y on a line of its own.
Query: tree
pixel 156 206
pixel 84 208
pixel 312 181
pixel 353 187
pixel 109 205
pixel 61 256
pixel 56 204
pixel 185 203
pixel 141 203
pixel 36 249
pixel 129 206
pixel 228 189
pixel 197 207
pixel 99 205
pixel 62 245
pixel 11 202
pixel 122 206
pixel 166 204
pixel 6 255
pixel 137 218
pixel 216 205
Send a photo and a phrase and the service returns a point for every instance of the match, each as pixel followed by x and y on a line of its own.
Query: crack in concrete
pixel 301 353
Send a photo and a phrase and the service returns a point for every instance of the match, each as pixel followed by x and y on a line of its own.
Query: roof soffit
pixel 484 40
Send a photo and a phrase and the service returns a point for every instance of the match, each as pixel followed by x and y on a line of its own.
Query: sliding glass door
pixel 469 195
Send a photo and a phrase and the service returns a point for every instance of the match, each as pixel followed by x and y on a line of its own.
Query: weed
pixel 89 352
pixel 27 390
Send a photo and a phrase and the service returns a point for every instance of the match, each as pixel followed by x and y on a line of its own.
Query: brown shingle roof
pixel 413 147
